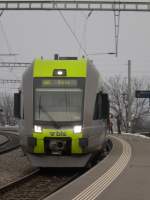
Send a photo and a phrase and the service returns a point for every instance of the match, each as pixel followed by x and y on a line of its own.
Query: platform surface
pixel 132 183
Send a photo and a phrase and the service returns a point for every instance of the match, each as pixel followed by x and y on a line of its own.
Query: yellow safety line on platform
pixel 97 187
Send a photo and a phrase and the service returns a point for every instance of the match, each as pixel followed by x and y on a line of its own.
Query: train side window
pixel 97 109
pixel 17 105
pixel 101 110
pixel 23 113
pixel 105 106
pixel 22 106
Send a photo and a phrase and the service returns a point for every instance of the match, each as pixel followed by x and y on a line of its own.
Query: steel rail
pixel 37 185
pixel 11 143
pixel 76 5
pixel 19 180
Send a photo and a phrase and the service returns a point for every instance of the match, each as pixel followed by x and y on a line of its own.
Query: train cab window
pixel 59 101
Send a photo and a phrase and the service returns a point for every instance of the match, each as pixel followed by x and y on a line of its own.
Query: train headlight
pixel 59 72
pixel 37 129
pixel 77 129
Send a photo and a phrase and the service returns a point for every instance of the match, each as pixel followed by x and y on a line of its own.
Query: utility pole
pixel 117 25
pixel 129 94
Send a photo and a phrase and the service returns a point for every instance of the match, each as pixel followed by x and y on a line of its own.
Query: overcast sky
pixel 33 34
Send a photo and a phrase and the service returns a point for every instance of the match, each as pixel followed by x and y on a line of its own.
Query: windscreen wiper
pixel 49 116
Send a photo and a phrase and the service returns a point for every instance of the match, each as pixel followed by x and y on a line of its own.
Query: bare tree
pixel 6 105
pixel 117 88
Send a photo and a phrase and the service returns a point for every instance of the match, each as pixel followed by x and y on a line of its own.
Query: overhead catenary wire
pixel 1 12
pixel 73 33
pixel 84 34
pixel 9 48
pixel 3 81
pixel 85 29
pixel 101 53
pixel 5 37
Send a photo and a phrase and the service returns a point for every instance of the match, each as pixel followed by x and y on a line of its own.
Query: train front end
pixel 58 104
pixel 58 99
pixel 61 113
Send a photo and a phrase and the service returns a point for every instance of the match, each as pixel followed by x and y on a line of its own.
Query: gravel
pixel 13 165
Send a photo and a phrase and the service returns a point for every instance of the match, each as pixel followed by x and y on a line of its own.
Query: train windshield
pixel 59 100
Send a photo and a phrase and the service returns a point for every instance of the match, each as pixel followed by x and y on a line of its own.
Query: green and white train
pixel 63 112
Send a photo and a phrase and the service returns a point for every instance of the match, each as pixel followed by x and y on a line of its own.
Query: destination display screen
pixel 59 83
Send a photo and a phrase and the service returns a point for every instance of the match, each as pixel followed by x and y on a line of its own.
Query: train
pixel 63 112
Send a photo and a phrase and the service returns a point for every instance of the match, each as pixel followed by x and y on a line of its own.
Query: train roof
pixel 73 68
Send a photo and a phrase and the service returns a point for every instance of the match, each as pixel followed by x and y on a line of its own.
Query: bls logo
pixel 57 133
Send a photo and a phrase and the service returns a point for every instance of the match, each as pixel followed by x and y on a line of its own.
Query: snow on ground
pixel 137 135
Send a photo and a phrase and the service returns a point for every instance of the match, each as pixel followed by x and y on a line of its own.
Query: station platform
pixel 123 175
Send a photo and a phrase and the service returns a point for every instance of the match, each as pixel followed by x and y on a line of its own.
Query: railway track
pixel 11 143
pixel 38 185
